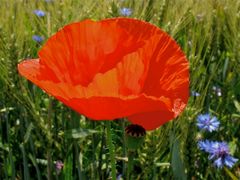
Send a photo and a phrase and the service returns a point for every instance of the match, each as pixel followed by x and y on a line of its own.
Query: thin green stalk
pixel 33 154
pixel 101 155
pixel 77 154
pixel 10 154
pixel 130 164
pixel 153 137
pixel 25 164
pixel 94 174
pixel 111 150
pixel 5 167
pixel 233 177
pixel 124 147
pixel 49 160
pixel 49 169
pixel 12 164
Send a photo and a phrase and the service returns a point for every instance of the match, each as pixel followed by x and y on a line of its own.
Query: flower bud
pixel 134 136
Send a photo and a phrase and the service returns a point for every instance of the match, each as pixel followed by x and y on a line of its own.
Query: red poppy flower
pixel 113 68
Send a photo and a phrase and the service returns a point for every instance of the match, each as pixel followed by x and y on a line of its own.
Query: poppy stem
pixel 130 164
pixel 111 150
pixel 124 170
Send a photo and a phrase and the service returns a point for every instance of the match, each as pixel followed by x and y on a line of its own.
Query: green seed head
pixel 134 136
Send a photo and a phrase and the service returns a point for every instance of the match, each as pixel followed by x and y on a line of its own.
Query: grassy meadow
pixel 40 138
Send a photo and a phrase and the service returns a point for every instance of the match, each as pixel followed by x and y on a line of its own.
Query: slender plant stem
pixel 25 164
pixel 124 147
pixel 101 156
pixel 49 160
pixel 111 150
pixel 76 150
pixel 94 174
pixel 130 164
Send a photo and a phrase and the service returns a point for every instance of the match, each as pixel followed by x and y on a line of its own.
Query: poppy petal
pixel 173 81
pixel 151 120
pixel 109 108
pixel 33 71
pixel 166 67
pixel 80 50
pixel 86 101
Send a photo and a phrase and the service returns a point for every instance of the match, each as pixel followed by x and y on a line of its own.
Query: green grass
pixel 36 130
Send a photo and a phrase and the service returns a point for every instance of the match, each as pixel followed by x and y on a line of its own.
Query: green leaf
pixel 176 161
pixel 166 164
pixel 115 9
pixel 232 146
pixel 28 132
pixel 225 67
pixel 233 177
pixel 25 163
pixel 79 133
pixel 33 159
pixel 67 168
pixel 4 147
pixel 237 105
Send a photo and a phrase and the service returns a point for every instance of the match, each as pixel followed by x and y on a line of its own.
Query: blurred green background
pixel 40 138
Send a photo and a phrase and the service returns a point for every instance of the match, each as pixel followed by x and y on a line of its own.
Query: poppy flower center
pixel 135 130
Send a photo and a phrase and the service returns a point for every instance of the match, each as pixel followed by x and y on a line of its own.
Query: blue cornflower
pixel 206 122
pixel 227 160
pixel 39 13
pixel 125 11
pixel 205 145
pixel 194 93
pixel 218 152
pixel 37 38
pixel 218 148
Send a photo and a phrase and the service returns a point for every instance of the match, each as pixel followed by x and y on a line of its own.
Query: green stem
pixel 77 154
pixel 93 154
pixel 111 150
pixel 103 143
pixel 49 159
pixel 130 164
pixel 124 147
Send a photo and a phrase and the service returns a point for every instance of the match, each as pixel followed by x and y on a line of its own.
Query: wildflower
pixel 218 152
pixel 228 161
pixel 39 13
pixel 37 38
pixel 125 11
pixel 110 69
pixel 217 90
pixel 59 165
pixel 194 93
pixel 135 135
pixel 206 122
pixel 205 145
